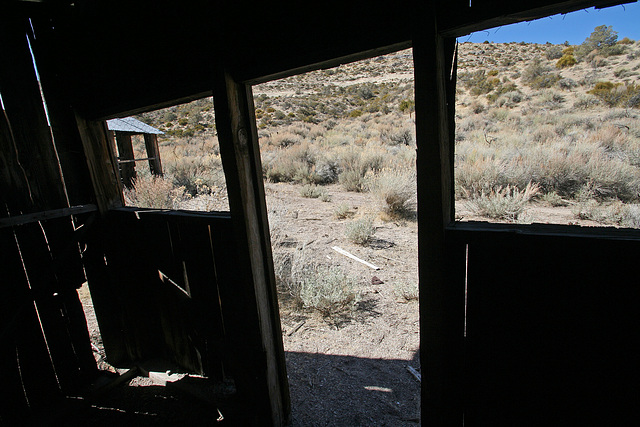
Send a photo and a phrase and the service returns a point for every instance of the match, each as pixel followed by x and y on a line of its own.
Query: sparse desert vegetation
pixel 544 133
pixel 564 118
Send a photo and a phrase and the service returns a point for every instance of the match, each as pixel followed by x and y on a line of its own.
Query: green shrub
pixel 566 61
pixel 360 231
pixel 617 94
pixel 407 106
pixel 603 39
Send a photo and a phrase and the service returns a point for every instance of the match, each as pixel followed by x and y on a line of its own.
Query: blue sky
pixel 573 27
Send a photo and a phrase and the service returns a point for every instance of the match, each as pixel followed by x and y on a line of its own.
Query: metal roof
pixel 129 124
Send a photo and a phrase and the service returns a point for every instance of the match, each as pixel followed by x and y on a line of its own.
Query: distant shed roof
pixel 129 124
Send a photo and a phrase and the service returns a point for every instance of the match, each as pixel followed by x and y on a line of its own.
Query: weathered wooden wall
pixel 46 353
pixel 551 326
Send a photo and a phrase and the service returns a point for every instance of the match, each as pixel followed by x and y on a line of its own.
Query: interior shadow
pixel 190 401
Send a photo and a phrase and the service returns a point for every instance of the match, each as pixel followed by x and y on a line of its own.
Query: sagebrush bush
pixel 328 290
pixel 538 76
pixel 312 191
pixel 396 189
pixel 360 231
pixel 342 211
pixel 355 165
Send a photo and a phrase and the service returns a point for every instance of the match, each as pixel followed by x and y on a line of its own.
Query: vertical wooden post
pixel 125 152
pixel 153 153
pixel 441 261
pixel 237 133
pixel 102 163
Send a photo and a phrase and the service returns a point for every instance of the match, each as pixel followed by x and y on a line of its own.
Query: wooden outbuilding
pixel 121 131
pixel 551 310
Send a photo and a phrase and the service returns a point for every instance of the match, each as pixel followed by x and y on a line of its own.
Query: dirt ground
pixel 353 369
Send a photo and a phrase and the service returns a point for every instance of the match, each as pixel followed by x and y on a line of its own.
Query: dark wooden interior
pixel 551 316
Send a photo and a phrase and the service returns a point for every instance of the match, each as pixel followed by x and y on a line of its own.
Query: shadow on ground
pixel 330 390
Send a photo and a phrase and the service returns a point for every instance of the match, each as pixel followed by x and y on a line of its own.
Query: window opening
pixel 170 158
pixel 338 156
pixel 548 129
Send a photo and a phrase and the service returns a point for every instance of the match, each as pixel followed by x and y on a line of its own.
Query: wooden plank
pixel 29 131
pixel 203 287
pixel 26 366
pixel 481 15
pixel 125 153
pixel 46 291
pixel 237 133
pixel 441 261
pixel 153 153
pixel 32 153
pixel 479 230
pixel 135 281
pixel 45 215
pixel 77 180
pixel 69 273
pixel 104 289
pixel 548 325
pixel 102 163
pixel 14 301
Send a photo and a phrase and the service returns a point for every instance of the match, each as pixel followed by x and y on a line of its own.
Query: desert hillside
pixel 537 127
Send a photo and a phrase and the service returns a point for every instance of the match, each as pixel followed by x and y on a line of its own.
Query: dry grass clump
pixel 408 291
pixel 314 192
pixel 154 192
pixel 612 213
pixel 342 211
pixel 506 203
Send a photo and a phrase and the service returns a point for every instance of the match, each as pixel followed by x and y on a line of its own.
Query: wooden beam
pixel 45 215
pixel 102 163
pixel 484 14
pixel 441 263
pixel 153 153
pixel 237 133
pixel 126 158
